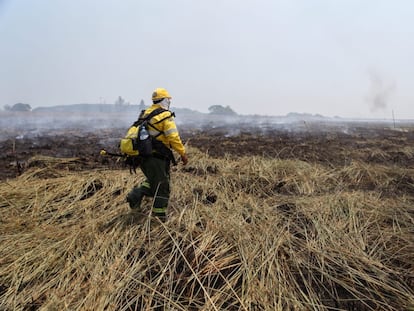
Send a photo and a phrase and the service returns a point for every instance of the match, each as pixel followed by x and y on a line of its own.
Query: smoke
pixel 380 91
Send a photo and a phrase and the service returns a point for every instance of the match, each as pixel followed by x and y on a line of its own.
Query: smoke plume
pixel 380 91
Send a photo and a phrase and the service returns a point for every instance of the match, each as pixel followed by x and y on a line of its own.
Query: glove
pixel 184 159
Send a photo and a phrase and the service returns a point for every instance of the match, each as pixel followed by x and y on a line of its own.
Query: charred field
pixel 310 217
pixel 326 144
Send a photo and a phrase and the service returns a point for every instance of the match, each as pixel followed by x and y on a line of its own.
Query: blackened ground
pixel 379 145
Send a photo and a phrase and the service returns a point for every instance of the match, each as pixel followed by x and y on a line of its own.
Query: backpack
pixel 137 141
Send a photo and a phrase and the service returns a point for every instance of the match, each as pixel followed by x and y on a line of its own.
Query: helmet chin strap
pixel 165 103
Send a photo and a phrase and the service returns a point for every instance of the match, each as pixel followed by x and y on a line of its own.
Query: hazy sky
pixel 350 58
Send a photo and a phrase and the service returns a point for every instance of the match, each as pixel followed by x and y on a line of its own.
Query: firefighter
pixel 156 167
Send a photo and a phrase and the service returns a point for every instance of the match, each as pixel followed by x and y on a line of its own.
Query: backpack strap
pixel 150 116
pixel 143 118
pixel 172 114
pixel 154 113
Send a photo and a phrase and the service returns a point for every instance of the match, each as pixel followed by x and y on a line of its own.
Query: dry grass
pixel 244 234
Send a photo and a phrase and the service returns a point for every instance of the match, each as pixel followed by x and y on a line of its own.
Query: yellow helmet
pixel 160 93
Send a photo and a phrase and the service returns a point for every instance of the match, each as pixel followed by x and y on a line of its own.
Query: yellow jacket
pixel 170 136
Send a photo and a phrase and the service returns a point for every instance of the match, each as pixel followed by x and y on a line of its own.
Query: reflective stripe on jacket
pixel 170 136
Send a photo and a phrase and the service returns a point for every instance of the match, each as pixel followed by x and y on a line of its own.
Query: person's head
pixel 162 97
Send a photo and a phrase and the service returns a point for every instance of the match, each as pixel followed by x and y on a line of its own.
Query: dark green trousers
pixel 156 185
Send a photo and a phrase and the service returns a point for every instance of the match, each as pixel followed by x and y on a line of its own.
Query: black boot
pixel 134 198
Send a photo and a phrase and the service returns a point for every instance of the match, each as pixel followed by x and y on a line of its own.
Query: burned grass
pixel 245 232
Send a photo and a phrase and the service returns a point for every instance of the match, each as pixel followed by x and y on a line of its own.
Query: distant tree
pixel 120 101
pixel 20 107
pixel 7 107
pixel 218 109
pixel 142 105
